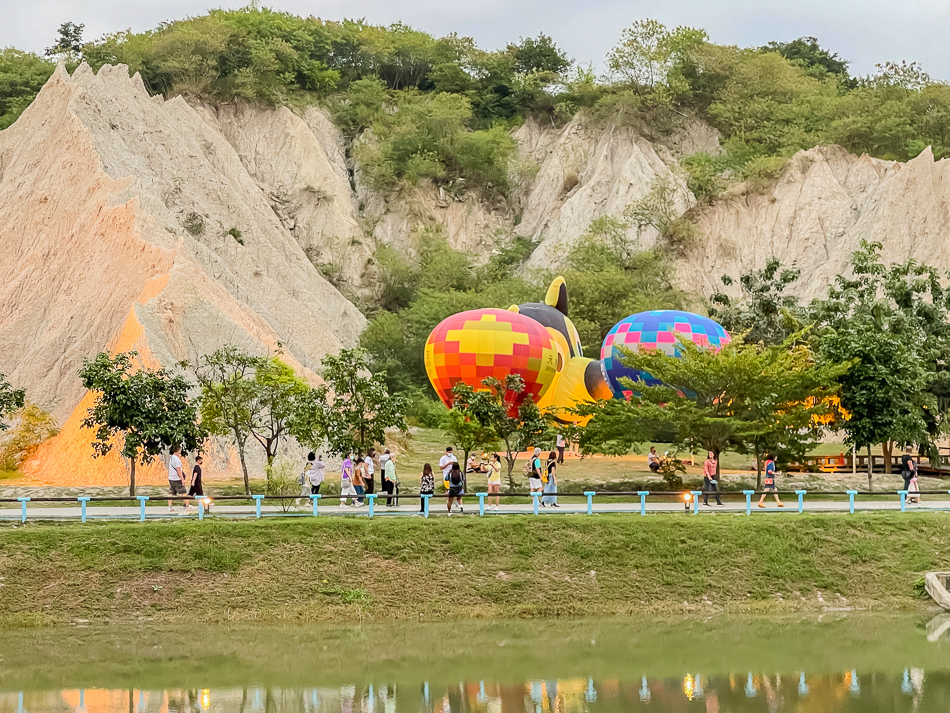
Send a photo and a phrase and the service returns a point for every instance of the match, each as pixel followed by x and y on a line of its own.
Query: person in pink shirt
pixel 710 479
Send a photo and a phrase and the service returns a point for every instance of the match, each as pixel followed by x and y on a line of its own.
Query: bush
pixel 424 410
pixel 22 75
pixel 282 479
pixel 31 426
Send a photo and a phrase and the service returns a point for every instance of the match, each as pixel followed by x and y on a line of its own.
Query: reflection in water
pixel 848 692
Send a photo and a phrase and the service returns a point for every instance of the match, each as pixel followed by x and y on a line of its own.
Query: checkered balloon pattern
pixel 471 346
pixel 655 329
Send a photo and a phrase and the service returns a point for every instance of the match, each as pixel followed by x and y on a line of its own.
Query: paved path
pixel 158 510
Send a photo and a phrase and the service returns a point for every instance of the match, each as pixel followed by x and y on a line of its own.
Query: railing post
pixel 23 502
pixel 257 502
pixel 590 501
pixel 643 501
pixel 142 499
pixel 851 494
pixel 748 501
pixel 481 504
pixel 425 505
pixel 82 507
pixel 801 500
pixel 201 509
pixel 902 494
pixel 535 496
pixel 696 494
pixel 315 500
pixel 372 501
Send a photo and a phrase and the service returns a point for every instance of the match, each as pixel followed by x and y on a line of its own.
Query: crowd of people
pixel 358 478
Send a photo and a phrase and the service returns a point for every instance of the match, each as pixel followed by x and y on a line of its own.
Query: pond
pixel 839 662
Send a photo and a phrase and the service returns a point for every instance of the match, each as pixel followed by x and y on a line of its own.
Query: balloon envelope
pixel 655 329
pixel 471 346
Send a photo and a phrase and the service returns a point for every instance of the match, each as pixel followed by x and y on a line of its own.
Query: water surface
pixel 831 664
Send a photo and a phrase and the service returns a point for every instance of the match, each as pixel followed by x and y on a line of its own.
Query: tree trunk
pixel 758 467
pixel 510 459
pixel 240 440
pixel 870 466
pixel 132 479
pixel 888 449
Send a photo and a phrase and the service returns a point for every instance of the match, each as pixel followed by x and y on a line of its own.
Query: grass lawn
pixel 342 568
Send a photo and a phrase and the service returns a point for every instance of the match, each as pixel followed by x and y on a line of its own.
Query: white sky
pixel 863 31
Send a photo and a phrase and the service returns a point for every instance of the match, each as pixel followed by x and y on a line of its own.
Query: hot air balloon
pixel 471 346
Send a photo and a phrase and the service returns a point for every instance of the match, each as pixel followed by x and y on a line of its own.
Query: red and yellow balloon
pixel 471 346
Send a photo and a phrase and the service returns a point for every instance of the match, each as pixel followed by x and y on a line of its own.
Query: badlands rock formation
pixel 826 201
pixel 115 209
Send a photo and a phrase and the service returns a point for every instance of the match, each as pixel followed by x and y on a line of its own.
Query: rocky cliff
pixel 824 203
pixel 130 222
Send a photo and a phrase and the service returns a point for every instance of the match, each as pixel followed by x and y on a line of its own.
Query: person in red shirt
pixel 710 479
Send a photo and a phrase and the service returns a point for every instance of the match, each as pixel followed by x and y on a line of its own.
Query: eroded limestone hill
pixel 130 222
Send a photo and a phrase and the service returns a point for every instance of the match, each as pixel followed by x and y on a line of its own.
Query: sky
pixel 865 32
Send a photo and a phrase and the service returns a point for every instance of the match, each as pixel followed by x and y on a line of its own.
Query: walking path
pixel 158 510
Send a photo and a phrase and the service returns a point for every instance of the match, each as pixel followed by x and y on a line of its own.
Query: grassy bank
pixel 350 569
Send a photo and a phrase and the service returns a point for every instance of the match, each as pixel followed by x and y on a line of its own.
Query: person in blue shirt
pixel 768 485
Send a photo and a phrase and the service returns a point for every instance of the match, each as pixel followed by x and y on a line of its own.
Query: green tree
pixel 148 409
pixel 764 312
pixel 357 409
pixel 228 397
pixel 11 400
pixel 277 399
pixel 893 323
pixel 806 52
pixel 747 396
pixel 648 50
pixel 491 408
pixel 22 75
pixel 539 54
pixel 68 41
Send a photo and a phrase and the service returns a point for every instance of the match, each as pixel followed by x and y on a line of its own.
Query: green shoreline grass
pixel 347 570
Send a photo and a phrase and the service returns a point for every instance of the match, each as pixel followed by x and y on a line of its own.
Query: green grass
pixel 309 570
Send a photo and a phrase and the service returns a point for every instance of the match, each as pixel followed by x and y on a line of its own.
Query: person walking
pixel 534 472
pixel 176 482
pixel 359 479
pixel 769 485
pixel 653 460
pixel 494 480
pixel 390 479
pixel 456 486
pixel 316 474
pixel 196 490
pixel 550 481
pixel 710 481
pixel 908 466
pixel 369 472
pixel 560 444
pixel 347 489
pixel 426 485
pixel 303 480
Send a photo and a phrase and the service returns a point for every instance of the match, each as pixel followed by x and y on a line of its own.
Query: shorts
pixel 535 483
pixel 196 490
pixel 770 488
pixel 176 487
pixel 455 492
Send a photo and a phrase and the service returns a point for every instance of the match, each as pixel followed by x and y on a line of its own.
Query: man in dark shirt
pixel 196 488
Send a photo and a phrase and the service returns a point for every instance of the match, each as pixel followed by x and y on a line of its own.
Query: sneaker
pixel 171 509
pixel 706 505
pixel 721 505
pixel 555 505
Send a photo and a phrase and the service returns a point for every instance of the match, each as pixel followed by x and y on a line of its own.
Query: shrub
pixel 282 480
pixel 194 224
pixel 31 426
pixel 236 234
